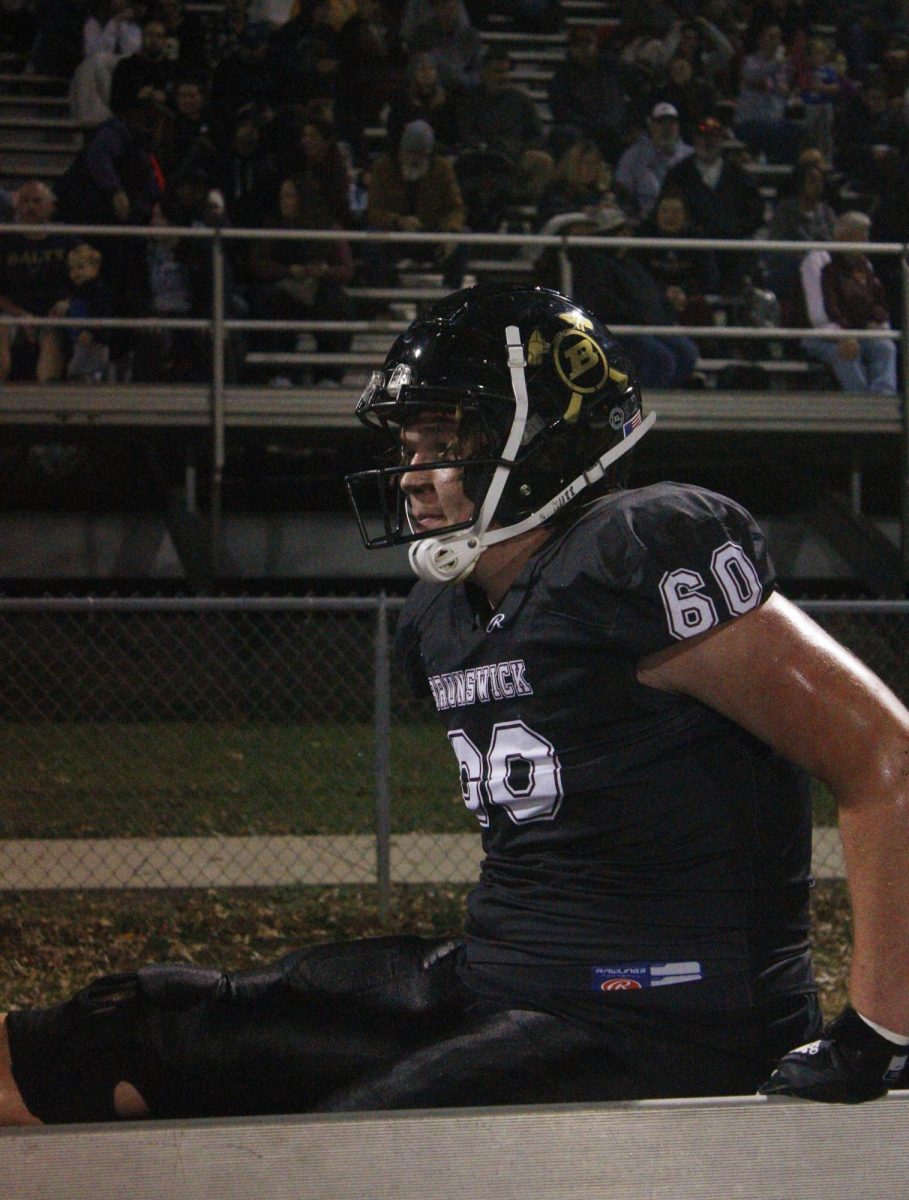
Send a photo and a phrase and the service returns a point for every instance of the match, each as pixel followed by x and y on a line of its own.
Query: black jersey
pixel 634 839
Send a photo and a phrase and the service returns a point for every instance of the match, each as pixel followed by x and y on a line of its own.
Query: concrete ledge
pixel 712 1149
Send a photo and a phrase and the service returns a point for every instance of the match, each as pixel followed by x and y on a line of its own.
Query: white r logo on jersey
pixel 496 622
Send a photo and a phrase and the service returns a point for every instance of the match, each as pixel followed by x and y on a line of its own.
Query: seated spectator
pixel 794 18
pixel 721 199
pixel 115 180
pixel 786 187
pixel 424 99
pixel 323 173
pixel 184 33
pixel 301 279
pixel 452 41
pixel 249 75
pixel 361 52
pixel 111 28
pixel 33 277
pixel 165 354
pixel 500 118
pixel 870 138
pixel 589 94
pixel 414 190
pixel 645 61
pixel 87 350
pixel 842 291
pixel 149 74
pixel 190 141
pixel 821 86
pixel 619 288
pixel 582 182
pixel 686 276
pixel 245 172
pixel 489 185
pixel 692 95
pixel 761 113
pixel 181 275
pixel 803 217
pixel 864 35
pixel 110 33
pixel 707 46
pixel 645 164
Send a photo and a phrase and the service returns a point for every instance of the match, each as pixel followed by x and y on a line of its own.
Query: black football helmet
pixel 546 402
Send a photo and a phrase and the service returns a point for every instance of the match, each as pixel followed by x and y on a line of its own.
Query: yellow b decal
pixel 579 361
pixel 581 357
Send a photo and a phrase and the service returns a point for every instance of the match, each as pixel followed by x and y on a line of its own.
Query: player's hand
pixel 848 1064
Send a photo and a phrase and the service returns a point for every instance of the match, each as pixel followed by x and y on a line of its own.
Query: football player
pixel 634 711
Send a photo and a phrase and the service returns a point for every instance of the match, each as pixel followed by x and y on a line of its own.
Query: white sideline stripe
pixel 204 862
pixel 724 1148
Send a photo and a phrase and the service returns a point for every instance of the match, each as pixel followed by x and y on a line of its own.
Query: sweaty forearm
pixel 875 835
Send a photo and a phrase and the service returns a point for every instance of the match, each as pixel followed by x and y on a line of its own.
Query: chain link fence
pixel 251 742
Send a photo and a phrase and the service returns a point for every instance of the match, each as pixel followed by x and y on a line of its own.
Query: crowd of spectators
pixel 399 116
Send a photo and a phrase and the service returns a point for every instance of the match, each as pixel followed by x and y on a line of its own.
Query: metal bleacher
pixel 38 139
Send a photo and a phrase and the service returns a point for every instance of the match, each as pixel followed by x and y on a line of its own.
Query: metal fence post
pixel 566 274
pixel 383 759
pixel 217 396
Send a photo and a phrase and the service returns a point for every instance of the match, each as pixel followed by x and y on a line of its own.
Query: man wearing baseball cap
pixel 722 200
pixel 643 166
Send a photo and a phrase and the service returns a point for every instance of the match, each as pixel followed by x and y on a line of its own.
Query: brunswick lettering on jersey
pixel 479 685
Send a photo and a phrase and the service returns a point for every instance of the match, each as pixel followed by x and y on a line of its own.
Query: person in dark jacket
pixel 722 200
pixel 149 74
pixel 589 94
pixel 116 180
pixel 301 278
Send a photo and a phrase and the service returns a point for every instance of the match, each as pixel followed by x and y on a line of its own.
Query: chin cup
pixel 445 560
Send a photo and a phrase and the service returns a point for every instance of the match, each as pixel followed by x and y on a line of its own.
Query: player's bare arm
pixel 776 673
pixel 779 676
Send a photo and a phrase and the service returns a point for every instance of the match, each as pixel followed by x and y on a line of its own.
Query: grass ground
pixel 177 778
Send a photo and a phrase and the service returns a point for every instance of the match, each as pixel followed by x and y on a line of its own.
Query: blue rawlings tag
pixel 631 977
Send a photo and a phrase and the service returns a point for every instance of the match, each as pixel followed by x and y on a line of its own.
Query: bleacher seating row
pixel 38 139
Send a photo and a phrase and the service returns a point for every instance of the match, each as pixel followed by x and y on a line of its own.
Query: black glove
pixel 848 1064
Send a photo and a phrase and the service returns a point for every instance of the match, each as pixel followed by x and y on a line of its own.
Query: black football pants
pixel 382 1023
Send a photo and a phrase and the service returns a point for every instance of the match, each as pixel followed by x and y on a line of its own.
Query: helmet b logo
pixel 581 365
